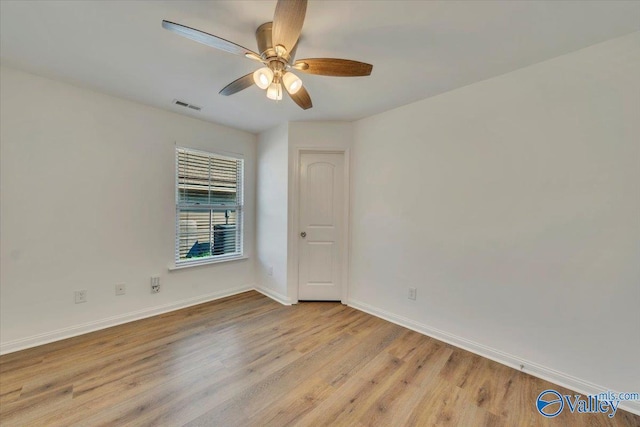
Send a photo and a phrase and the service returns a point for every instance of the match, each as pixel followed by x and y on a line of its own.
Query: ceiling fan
pixel 277 44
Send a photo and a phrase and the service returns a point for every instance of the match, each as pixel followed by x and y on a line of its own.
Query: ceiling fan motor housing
pixel 267 50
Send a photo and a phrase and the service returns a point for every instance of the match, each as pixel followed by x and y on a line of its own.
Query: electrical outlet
pixel 81 296
pixel 270 271
pixel 121 289
pixel 413 293
pixel 155 284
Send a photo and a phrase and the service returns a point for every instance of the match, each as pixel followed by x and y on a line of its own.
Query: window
pixel 208 207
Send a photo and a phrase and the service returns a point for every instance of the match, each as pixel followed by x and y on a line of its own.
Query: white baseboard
pixel 72 331
pixel 276 296
pixel 551 375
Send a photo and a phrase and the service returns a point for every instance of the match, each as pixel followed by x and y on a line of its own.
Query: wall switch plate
pixel 413 293
pixel 155 284
pixel 121 289
pixel 81 296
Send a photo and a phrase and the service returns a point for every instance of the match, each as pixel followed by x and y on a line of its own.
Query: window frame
pixel 237 207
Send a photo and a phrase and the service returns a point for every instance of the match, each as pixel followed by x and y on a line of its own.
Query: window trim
pixel 207 262
pixel 238 207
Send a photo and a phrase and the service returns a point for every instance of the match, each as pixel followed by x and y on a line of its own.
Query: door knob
pixel 303 234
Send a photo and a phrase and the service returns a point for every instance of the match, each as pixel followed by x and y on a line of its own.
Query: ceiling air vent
pixel 186 104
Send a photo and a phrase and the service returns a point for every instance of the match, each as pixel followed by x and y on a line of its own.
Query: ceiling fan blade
pixel 237 85
pixel 333 67
pixel 293 52
pixel 302 98
pixel 210 40
pixel 287 22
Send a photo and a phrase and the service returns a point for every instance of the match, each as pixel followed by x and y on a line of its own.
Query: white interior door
pixel 320 233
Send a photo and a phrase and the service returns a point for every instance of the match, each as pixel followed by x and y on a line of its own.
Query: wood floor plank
pixel 186 398
pixel 246 360
pixel 25 411
pixel 443 404
pixel 407 344
pixel 10 395
pixel 343 368
pixel 417 374
pixel 268 391
pixel 295 404
pixel 353 397
pixel 109 396
pixel 162 330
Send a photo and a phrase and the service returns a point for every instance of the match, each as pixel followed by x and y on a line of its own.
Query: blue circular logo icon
pixel 549 403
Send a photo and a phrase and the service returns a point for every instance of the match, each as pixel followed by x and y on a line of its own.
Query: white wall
pixel 271 230
pixel 88 201
pixel 513 206
pixel 320 135
pixel 277 231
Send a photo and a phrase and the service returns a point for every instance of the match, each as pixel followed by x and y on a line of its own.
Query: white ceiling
pixel 418 49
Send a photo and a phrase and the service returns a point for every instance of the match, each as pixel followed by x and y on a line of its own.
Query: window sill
pixel 208 262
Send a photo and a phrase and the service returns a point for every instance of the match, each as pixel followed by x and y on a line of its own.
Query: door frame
pixel 294 218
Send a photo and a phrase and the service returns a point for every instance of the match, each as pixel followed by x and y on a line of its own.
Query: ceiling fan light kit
pixel 263 77
pixel 274 91
pixel 277 43
pixel 292 82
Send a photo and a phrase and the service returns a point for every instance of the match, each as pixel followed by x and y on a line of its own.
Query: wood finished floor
pixel 248 361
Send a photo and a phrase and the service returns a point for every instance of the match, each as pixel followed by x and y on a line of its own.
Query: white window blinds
pixel 208 207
